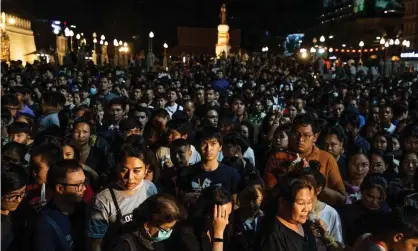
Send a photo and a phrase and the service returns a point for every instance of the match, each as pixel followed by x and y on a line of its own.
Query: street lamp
pixel 322 39
pixel 361 44
pixel 71 33
pixel 125 44
pixel 101 42
pixel 106 43
pixel 102 37
pixel 165 45
pixel 397 41
pixel 150 56
pixel 115 42
pixel 391 42
pixel 382 41
pixel 313 50
pixel 120 43
pixel 56 31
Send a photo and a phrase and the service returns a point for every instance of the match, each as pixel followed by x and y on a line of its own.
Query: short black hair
pixel 51 154
pixel 58 172
pixel 210 197
pixel 338 131
pixel 178 143
pixel 180 125
pixel 162 113
pixel 118 101
pixel 140 109
pixel 133 150
pixel 236 139
pixel 14 152
pixel 208 133
pixel 18 127
pixel 350 119
pixel 127 124
pixel 305 120
pixel 13 177
pixel 53 98
pixel 375 180
pixel 9 100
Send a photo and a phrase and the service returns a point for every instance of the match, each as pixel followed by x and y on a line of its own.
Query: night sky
pixel 126 18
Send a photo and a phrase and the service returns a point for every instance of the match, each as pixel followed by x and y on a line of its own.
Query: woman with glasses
pixel 354 217
pixel 13 189
pixel 152 225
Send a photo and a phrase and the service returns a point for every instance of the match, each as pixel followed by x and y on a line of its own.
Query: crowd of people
pixel 258 155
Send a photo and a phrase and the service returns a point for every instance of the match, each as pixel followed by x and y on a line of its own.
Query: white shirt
pixel 332 219
pixel 195 158
pixel 172 109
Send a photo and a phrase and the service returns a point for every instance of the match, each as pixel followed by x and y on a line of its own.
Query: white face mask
pixel 240 84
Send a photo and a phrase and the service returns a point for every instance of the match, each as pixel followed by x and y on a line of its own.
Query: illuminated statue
pixel 223 14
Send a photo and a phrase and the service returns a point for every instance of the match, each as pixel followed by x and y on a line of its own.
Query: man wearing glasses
pixel 303 136
pixel 53 230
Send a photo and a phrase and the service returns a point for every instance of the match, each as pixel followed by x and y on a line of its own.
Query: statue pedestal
pixel 223 40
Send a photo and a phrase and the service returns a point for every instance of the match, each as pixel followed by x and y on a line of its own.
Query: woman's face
pixel 281 140
pixel 68 152
pixel 292 112
pixel 377 164
pixel 372 198
pixel 333 145
pixel 358 167
pixel 395 144
pixel 409 164
pixel 381 143
pixel 302 206
pixel 154 229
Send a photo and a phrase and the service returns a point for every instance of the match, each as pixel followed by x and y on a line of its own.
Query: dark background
pixel 124 19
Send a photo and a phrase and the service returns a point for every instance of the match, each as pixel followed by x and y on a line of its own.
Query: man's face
pixel 62 81
pixel 142 118
pixel 41 171
pixel 73 187
pixel 210 149
pixel 137 94
pixel 238 107
pixel 161 102
pixel 160 123
pixel 160 89
pixel 258 107
pixel 338 110
pixel 210 96
pixel 172 96
pixel 403 244
pixel 116 112
pixel 213 118
pixel 303 138
pixel 18 79
pixel 131 172
pixel 11 200
pixel 13 109
pixel 200 95
pixel 20 137
pixel 174 134
pixel 189 109
pixel 181 156
pixel 386 115
pixel 299 104
pixel 104 84
pixel 81 134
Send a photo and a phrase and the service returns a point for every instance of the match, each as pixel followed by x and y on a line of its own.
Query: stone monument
pixel 17 40
pixel 223 47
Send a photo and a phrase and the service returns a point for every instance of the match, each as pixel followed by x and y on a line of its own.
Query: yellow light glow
pixel 12 20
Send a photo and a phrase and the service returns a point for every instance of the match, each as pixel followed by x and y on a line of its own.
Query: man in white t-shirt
pixel 113 207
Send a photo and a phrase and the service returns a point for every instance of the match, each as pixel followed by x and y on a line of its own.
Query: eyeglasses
pixel 163 230
pixel 305 137
pixel 15 197
pixel 78 187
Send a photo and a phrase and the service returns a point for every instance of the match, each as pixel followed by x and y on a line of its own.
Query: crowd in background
pixel 259 155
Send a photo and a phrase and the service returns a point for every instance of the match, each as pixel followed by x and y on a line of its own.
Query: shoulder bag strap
pixel 118 211
pixel 59 233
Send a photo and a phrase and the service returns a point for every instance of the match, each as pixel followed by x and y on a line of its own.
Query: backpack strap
pixel 59 232
pixel 118 211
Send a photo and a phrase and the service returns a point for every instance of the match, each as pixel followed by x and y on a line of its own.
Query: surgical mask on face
pixel 162 235
pixel 93 91
pixel 240 84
